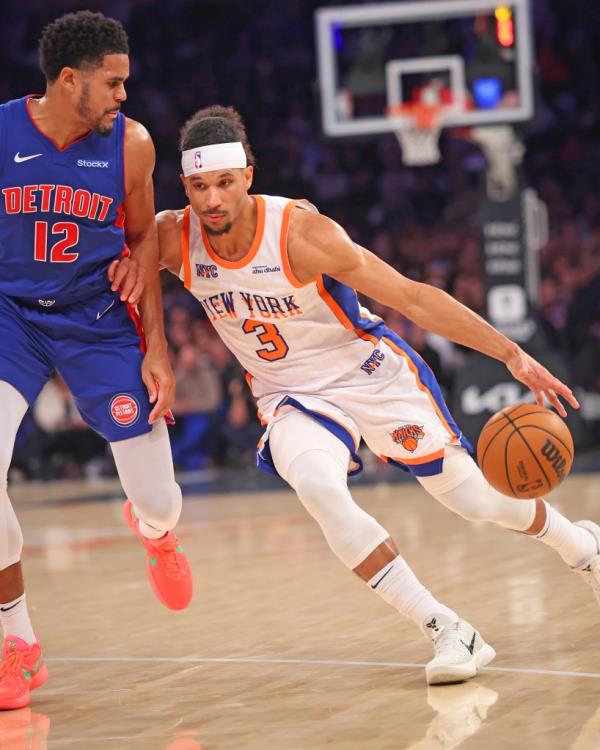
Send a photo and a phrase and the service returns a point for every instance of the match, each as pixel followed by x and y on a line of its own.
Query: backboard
pixel 472 58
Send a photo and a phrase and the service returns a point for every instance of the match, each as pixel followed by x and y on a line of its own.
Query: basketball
pixel 525 451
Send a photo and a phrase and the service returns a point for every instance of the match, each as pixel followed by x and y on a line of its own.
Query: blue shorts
pixel 95 347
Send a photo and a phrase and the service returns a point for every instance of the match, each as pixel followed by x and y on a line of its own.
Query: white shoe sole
pixel 441 674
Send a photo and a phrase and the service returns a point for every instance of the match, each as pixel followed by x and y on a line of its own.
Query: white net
pixel 420 146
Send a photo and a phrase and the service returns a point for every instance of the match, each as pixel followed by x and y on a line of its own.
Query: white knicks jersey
pixel 289 336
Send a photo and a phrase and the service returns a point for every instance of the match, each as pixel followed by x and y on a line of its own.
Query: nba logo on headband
pixel 213 157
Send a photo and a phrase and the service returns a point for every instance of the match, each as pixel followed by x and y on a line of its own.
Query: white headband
pixel 212 158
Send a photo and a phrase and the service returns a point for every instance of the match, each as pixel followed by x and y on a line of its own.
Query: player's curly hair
pixel 212 125
pixel 79 40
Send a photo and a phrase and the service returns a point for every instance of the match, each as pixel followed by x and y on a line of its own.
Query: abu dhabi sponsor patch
pixel 408 436
pixel 266 269
pixel 124 410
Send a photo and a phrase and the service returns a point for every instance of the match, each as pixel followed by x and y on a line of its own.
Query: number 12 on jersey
pixel 58 252
pixel 268 334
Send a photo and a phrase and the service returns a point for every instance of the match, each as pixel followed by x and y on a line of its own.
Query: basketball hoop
pixel 419 135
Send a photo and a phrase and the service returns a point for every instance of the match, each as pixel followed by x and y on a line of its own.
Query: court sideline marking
pixel 301 662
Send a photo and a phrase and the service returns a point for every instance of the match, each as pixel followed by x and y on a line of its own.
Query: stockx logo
pixel 94 163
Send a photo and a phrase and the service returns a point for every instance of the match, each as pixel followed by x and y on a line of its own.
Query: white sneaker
pixel 459 652
pixel 591 572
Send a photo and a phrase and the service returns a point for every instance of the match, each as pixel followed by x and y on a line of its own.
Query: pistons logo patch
pixel 408 436
pixel 124 410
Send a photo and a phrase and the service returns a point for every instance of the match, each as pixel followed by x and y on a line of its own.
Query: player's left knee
pixel 159 505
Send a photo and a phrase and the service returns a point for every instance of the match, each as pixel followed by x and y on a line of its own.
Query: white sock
pixel 149 531
pixel 14 619
pixel 575 545
pixel 397 585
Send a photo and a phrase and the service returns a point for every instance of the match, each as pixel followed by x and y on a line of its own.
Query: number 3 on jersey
pixel 276 347
pixel 58 251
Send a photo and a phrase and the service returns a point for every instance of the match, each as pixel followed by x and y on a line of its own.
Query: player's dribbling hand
pixel 127 277
pixel 159 380
pixel 540 381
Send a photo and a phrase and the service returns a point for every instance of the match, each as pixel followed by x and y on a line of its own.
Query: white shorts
pixel 392 401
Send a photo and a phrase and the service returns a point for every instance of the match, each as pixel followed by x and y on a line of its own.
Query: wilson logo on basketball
pixel 553 455
pixel 408 436
pixel 124 410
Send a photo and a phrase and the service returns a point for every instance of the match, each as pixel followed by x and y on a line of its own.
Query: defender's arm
pixel 141 237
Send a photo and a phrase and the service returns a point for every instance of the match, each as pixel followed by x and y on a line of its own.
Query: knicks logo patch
pixel 408 436
pixel 124 410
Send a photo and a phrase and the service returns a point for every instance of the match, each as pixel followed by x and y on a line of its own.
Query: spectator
pixel 199 397
pixel 67 446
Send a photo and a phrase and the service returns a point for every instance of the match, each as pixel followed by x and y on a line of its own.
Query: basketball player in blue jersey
pixel 76 194
pixel 277 280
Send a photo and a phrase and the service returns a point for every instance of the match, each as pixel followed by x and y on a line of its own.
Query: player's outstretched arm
pixel 317 245
pixel 142 239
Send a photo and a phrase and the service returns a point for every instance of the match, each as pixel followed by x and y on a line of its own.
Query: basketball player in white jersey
pixel 277 280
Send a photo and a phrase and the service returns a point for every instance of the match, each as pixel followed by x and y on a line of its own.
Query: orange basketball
pixel 410 444
pixel 525 451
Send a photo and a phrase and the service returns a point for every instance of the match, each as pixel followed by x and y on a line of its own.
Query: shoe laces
pixel 170 558
pixel 12 664
pixel 446 640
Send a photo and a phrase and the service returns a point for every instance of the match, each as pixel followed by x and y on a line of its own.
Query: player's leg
pixel 146 472
pixel 145 468
pixel 21 650
pixel 25 365
pixel 462 488
pixel 314 462
pixel 100 360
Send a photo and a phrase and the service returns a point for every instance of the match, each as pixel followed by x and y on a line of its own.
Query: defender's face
pixel 217 198
pixel 99 92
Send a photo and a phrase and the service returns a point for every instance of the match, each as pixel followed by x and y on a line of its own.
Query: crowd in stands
pixel 260 58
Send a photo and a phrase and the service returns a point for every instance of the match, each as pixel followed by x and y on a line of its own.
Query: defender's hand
pixel 159 380
pixel 128 277
pixel 540 381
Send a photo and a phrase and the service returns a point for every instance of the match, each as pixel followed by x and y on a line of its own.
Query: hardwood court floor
pixel 282 649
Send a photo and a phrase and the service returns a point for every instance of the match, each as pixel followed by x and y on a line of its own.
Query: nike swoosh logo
pixel 12 606
pixel 374 585
pixel 471 645
pixel 19 158
pixel 100 314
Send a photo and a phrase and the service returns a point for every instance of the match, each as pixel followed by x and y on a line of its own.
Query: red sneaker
pixel 22 670
pixel 168 569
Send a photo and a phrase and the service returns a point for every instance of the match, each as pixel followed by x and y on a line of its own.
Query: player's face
pixel 217 198
pixel 99 93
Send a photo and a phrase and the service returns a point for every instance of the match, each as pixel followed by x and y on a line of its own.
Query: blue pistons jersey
pixel 61 215
pixel 61 225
